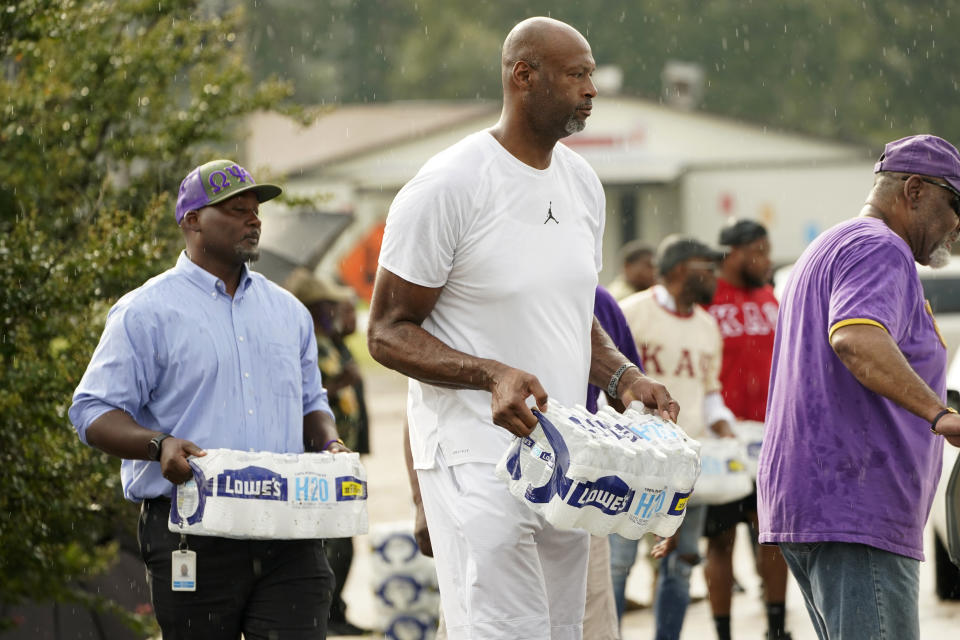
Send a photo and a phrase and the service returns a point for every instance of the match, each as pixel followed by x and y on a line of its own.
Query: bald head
pixel 548 88
pixel 534 40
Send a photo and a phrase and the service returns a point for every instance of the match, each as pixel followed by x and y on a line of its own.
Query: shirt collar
pixel 206 280
pixel 663 298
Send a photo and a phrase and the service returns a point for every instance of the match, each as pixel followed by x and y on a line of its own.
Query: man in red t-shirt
pixel 746 310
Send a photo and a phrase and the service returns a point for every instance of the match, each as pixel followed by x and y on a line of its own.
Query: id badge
pixel 183 570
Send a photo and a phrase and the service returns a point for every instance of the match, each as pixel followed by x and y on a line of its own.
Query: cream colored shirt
pixel 620 288
pixel 682 351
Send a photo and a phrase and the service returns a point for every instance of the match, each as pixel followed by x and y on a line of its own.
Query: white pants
pixel 504 572
pixel 600 614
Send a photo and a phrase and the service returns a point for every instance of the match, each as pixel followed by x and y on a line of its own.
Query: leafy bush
pixel 104 106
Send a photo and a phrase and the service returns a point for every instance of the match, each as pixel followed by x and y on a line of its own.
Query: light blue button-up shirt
pixel 183 357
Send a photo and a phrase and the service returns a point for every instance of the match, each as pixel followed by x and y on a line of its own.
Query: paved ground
pixel 390 501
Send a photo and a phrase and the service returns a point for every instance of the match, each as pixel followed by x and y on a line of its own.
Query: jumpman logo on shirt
pixel 550 215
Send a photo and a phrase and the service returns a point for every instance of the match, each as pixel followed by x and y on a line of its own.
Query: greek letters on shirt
pixel 748 318
pixel 688 364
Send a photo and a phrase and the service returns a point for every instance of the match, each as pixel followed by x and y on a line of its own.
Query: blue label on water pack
pixel 649 503
pixel 351 488
pixel 311 488
pixel 654 430
pixel 252 483
pixel 397 548
pixel 710 466
pixel 678 504
pixel 609 494
pixel 399 591
pixel 591 425
pixel 408 627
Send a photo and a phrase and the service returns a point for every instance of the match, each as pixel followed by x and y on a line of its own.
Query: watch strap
pixel 156 445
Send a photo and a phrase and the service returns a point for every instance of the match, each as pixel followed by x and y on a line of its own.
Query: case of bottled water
pixel 610 472
pixel 263 495
pixel 404 581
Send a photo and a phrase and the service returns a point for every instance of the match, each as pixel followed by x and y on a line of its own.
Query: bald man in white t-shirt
pixel 484 298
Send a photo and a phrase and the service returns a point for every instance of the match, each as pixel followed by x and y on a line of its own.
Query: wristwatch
pixel 155 445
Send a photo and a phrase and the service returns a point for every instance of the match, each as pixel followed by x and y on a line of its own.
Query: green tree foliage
pixel 103 107
pixel 332 50
pixel 862 71
pixel 866 71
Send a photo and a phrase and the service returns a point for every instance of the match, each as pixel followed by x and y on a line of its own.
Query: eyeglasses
pixel 954 201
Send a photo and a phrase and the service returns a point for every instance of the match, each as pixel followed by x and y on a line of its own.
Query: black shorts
pixel 723 517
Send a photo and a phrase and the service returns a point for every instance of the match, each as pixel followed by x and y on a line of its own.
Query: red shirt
pixel 747 319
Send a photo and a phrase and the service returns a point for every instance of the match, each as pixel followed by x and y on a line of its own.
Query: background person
pixel 326 300
pixel 638 272
pixel 679 342
pixel 345 326
pixel 211 354
pixel 605 604
pixel 610 316
pixel 849 465
pixel 484 297
pixel 746 312
pixel 600 619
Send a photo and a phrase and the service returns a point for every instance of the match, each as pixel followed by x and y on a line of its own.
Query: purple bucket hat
pixel 924 155
pixel 217 181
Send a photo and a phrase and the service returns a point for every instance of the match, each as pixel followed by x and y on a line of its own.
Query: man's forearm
pixel 409 349
pixel 631 385
pixel 408 461
pixel 117 433
pixel 605 358
pixel 319 428
pixel 875 360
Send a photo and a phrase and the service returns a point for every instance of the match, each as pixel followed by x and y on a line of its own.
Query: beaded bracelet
pixel 615 380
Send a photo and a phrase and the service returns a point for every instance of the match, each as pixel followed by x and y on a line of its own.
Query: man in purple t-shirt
pixel 608 312
pixel 849 464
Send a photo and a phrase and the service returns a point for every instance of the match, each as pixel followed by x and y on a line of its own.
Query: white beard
pixel 940 256
pixel 574 125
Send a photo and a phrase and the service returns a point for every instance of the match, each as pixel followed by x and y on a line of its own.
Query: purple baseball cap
pixel 217 181
pixel 925 155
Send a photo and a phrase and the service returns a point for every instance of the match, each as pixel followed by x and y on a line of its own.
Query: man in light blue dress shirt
pixel 211 354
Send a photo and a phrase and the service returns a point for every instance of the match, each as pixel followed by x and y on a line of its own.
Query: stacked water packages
pixel 263 495
pixel 628 473
pixel 406 597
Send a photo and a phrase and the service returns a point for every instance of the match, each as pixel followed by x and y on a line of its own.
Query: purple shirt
pixel 839 462
pixel 608 313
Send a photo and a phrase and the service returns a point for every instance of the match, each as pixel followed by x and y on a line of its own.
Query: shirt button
pixel 240 338
pixel 250 411
pixel 246 374
pixel 213 294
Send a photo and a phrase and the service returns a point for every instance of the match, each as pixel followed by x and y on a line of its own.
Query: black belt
pixel 160 502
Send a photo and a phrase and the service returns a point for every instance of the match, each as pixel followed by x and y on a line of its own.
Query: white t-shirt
pixel 683 352
pixel 517 251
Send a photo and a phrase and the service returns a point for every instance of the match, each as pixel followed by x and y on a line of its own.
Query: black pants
pixel 266 589
pixel 340 556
